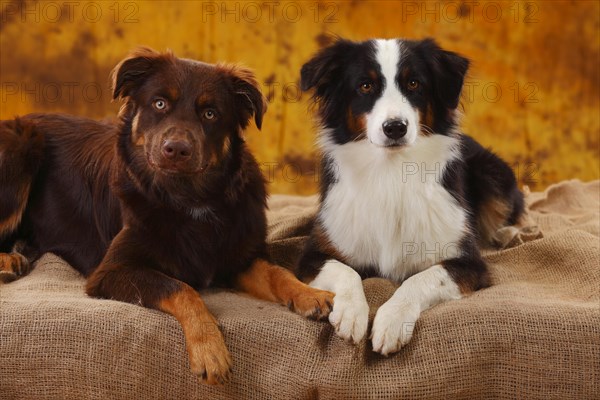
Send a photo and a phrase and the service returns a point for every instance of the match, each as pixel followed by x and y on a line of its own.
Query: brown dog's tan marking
pixel 20 154
pixel 148 222
pixel 12 266
pixel 274 283
pixel 209 357
pixel 10 224
pixel 120 277
pixel 140 140
pixel 137 137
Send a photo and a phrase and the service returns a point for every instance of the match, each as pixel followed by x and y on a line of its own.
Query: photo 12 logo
pixel 69 11
pixel 470 11
pixel 268 11
pixel 492 92
pixel 51 92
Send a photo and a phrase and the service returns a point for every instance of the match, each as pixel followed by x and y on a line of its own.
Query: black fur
pixel 476 179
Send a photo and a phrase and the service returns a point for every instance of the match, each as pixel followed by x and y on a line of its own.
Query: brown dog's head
pixel 184 114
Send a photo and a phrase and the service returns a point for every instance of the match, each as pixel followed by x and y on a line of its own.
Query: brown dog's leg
pixel 118 278
pixel 209 357
pixel 21 150
pixel 271 282
pixel 12 266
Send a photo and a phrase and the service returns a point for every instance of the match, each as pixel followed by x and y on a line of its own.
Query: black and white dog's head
pixel 387 91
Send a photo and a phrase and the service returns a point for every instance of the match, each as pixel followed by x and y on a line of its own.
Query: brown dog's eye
pixel 366 87
pixel 210 114
pixel 413 84
pixel 160 104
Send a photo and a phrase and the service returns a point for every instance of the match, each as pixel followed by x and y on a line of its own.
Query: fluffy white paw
pixel 350 316
pixel 393 326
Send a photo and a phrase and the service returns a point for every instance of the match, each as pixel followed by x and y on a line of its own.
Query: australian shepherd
pixel 404 195
pixel 156 207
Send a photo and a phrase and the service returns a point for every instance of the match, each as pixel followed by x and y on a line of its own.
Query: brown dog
pixel 168 202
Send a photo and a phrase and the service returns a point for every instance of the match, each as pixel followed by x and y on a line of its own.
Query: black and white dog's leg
pixel 350 315
pixel 450 280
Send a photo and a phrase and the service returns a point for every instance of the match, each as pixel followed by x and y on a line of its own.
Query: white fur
pixel 388 208
pixel 395 320
pixel 392 104
pixel 350 314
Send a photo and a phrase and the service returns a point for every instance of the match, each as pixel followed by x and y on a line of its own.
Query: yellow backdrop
pixel 532 94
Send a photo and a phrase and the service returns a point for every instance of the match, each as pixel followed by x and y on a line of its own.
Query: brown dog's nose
pixel 176 150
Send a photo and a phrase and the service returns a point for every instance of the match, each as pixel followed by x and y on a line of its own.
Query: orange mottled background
pixel 533 93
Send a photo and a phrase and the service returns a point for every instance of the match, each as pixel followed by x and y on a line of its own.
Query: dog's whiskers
pixel 360 137
pixel 426 129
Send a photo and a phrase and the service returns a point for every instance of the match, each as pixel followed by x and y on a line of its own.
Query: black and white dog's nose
pixel 394 128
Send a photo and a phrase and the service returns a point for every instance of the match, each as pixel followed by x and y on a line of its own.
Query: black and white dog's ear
pixel 131 72
pixel 319 71
pixel 449 70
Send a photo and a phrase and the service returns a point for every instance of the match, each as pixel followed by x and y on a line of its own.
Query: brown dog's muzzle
pixel 177 152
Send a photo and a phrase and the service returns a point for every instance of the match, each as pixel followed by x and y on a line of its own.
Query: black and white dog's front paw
pixel 350 315
pixel 393 326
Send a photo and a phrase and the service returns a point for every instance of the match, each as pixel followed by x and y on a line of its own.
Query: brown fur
pixel 274 283
pixel 492 216
pixel 12 266
pixel 322 250
pixel 209 357
pixel 148 224
pixel 324 243
pixel 405 74
pixel 10 223
pixel 18 140
pixel 356 124
pixel 426 118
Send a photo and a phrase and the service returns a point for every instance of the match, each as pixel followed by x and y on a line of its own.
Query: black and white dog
pixel 404 194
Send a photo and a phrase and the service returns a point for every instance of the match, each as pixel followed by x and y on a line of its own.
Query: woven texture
pixel 535 334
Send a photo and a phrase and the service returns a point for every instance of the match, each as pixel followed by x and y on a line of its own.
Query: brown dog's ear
pixel 134 70
pixel 249 98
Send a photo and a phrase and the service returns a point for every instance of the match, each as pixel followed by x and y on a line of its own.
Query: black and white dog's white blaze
pixel 404 195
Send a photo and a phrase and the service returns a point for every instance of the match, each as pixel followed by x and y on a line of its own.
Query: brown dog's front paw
pixel 312 303
pixel 12 266
pixel 208 355
pixel 210 359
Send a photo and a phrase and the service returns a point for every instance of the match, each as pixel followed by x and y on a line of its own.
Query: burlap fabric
pixel 534 335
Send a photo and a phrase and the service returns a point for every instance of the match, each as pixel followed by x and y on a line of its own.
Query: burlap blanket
pixel 534 334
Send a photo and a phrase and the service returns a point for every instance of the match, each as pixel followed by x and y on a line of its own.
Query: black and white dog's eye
pixel 413 84
pixel 366 87
pixel 210 114
pixel 160 104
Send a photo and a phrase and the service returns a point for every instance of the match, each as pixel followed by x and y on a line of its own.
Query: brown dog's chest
pixel 200 250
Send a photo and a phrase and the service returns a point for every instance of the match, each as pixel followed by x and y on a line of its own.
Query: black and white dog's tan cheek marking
pixel 404 193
